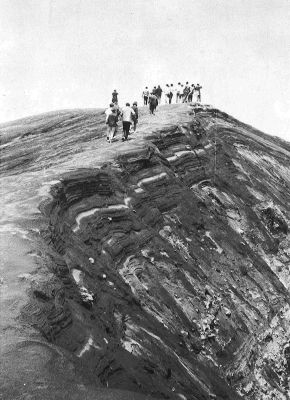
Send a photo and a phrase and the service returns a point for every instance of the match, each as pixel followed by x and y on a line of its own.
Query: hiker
pixel 186 92
pixel 153 103
pixel 135 117
pixel 178 91
pixel 112 121
pixel 108 112
pixel 145 95
pixel 127 113
pixel 171 92
pixel 181 93
pixel 192 88
pixel 167 92
pixel 158 94
pixel 154 90
pixel 197 89
pixel 115 97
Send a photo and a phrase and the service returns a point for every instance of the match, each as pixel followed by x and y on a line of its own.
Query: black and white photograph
pixel 145 200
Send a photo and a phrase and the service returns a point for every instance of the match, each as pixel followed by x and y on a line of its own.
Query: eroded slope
pixel 168 257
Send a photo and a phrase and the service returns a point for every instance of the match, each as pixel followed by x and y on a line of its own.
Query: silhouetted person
pixel 135 117
pixel 197 89
pixel 153 102
pixel 171 91
pixel 115 97
pixel 145 96
pixel 167 93
pixel 158 93
pixel 186 92
pixel 192 88
pixel 178 91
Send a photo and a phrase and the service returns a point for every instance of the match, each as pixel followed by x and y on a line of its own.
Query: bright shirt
pixel 127 113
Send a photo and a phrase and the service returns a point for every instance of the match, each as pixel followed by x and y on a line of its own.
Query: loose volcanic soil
pixel 153 268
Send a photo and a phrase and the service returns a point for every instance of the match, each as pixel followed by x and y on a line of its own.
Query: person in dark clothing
pixel 191 93
pixel 154 90
pixel 153 103
pixel 135 117
pixel 158 93
pixel 112 122
pixel 171 89
pixel 197 89
pixel 115 97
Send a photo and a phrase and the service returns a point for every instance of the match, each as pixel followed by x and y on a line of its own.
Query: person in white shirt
pixel 127 113
pixel 145 95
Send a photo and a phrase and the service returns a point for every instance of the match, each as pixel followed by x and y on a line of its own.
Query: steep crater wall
pixel 165 267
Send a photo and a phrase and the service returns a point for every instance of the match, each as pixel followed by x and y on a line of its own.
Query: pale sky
pixel 59 54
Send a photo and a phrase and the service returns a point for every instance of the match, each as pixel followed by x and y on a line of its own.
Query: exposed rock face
pixel 164 264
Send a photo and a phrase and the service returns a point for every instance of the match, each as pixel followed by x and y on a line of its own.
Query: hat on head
pixel 135 103
pixel 127 104
pixel 112 104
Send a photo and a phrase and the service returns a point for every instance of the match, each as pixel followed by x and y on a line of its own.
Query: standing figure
pixel 191 93
pixel 115 97
pixel 186 92
pixel 171 93
pixel 145 95
pixel 108 112
pixel 153 103
pixel 181 93
pixel 127 114
pixel 135 117
pixel 154 90
pixel 158 94
pixel 166 92
pixel 178 90
pixel 197 89
pixel 112 123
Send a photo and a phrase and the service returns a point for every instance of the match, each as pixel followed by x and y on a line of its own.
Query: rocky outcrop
pixel 169 260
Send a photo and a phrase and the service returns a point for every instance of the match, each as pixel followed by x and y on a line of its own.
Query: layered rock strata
pixel 170 262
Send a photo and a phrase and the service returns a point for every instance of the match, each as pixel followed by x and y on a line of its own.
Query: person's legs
pixel 108 132
pixel 115 130
pixel 126 126
pixel 145 100
pixel 135 125
pixel 112 130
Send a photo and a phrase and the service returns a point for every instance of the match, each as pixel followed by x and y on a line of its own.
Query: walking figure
pixel 112 123
pixel 145 95
pixel 153 102
pixel 115 97
pixel 135 117
pixel 197 89
pixel 127 114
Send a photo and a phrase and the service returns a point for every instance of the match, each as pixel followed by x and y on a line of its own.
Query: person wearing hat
pixel 135 117
pixel 115 97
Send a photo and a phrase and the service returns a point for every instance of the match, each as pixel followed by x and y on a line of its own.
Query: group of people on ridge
pixel 128 114
pixel 181 93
